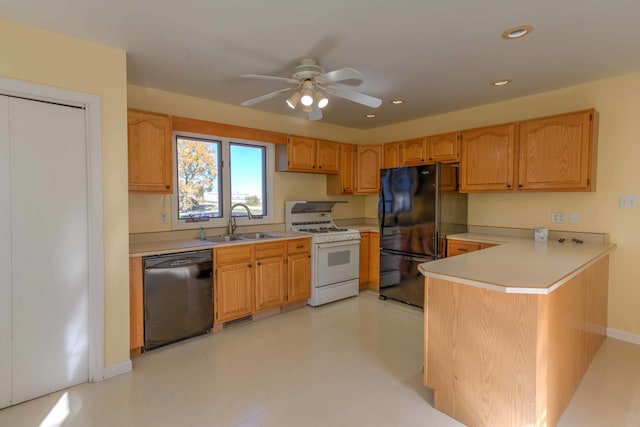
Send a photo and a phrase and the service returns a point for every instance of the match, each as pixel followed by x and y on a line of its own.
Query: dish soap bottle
pixel 202 233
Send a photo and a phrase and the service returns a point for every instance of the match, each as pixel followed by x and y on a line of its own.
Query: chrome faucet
pixel 232 219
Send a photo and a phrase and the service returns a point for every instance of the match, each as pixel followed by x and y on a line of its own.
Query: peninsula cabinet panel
pixel 368 163
pixel 556 153
pixel 364 259
pixel 391 155
pixel 136 306
pixel 413 152
pixel 505 359
pixel 374 261
pixel 444 147
pixel 487 160
pixel 150 153
pixel 344 181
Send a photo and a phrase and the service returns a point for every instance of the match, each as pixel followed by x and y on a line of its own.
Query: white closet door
pixel 49 236
pixel 5 256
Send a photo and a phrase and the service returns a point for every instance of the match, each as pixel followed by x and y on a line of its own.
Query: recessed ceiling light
pixel 397 101
pixel 370 116
pixel 517 32
pixel 500 82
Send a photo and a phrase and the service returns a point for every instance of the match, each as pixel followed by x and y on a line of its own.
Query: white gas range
pixel 335 251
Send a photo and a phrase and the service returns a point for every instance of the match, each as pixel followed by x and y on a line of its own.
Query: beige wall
pixel 41 57
pixel 145 209
pixel 618 172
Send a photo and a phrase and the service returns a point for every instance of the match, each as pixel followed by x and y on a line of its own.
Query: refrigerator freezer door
pixel 400 279
pixel 407 209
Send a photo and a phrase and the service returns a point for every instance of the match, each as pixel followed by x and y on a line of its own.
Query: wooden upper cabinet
pixel 368 163
pixel 303 154
pixel 344 181
pixel 150 153
pixel 444 147
pixel 300 154
pixel 487 159
pixel 413 152
pixel 557 153
pixel 328 156
pixel 391 155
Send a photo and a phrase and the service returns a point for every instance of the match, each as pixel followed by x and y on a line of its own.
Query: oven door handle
pixel 327 245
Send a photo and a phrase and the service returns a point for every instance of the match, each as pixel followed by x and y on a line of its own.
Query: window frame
pixel 225 183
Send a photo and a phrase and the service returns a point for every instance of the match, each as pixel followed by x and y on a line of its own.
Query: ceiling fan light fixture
pixel 293 100
pixel 321 99
pixel 307 97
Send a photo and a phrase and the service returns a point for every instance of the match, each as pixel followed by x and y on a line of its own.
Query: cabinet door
pixel 364 259
pixel 391 155
pixel 299 277
pixel 343 182
pixel 271 282
pixel 301 153
pixel 136 308
pixel 413 152
pixel 150 158
pixel 444 147
pixel 328 156
pixel 374 261
pixel 233 291
pixel 487 159
pixel 556 153
pixel 368 162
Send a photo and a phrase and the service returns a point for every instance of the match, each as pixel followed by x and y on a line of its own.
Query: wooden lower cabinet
pixel 250 278
pixel 369 260
pixel 136 307
pixel 270 275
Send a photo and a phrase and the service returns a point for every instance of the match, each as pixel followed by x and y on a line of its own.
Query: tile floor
pixel 356 362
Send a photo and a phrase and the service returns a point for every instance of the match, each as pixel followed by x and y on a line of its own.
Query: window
pixel 212 174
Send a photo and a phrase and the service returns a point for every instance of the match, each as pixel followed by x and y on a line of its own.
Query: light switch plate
pixel 628 201
pixel 574 218
pixel 557 217
pixel 163 218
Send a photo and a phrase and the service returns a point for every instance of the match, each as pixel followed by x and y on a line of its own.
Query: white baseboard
pixel 119 369
pixel 623 336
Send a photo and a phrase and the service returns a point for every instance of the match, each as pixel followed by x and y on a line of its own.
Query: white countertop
pixel 517 265
pixel 183 245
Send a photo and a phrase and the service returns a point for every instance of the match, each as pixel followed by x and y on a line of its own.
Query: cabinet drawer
pixel 233 254
pixel 457 247
pixel 298 246
pixel 270 250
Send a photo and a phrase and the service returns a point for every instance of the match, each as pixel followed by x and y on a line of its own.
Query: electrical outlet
pixel 163 218
pixel 557 217
pixel 574 218
pixel 628 201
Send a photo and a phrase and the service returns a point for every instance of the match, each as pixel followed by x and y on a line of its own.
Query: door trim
pixel 91 105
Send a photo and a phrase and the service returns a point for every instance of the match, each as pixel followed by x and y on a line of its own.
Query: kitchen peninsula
pixel 511 329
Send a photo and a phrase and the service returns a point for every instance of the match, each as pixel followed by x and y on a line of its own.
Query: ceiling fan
pixel 311 85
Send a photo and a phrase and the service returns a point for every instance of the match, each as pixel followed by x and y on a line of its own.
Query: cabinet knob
pixel 520 185
pixel 249 265
pixel 167 187
pixel 508 185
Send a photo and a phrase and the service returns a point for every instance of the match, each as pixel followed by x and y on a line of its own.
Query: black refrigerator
pixel 417 207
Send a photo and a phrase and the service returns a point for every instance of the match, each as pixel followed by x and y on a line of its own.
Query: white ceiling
pixel 438 55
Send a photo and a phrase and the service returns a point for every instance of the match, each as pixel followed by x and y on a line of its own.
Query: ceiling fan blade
pixel 315 113
pixel 265 97
pixel 346 73
pixel 261 77
pixel 354 96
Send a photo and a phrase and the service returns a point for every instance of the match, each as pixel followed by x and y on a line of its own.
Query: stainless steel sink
pixel 238 237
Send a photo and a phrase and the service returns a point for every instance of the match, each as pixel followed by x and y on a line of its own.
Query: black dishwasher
pixel 178 297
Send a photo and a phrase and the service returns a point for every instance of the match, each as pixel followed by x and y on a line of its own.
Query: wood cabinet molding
pixel 230 131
